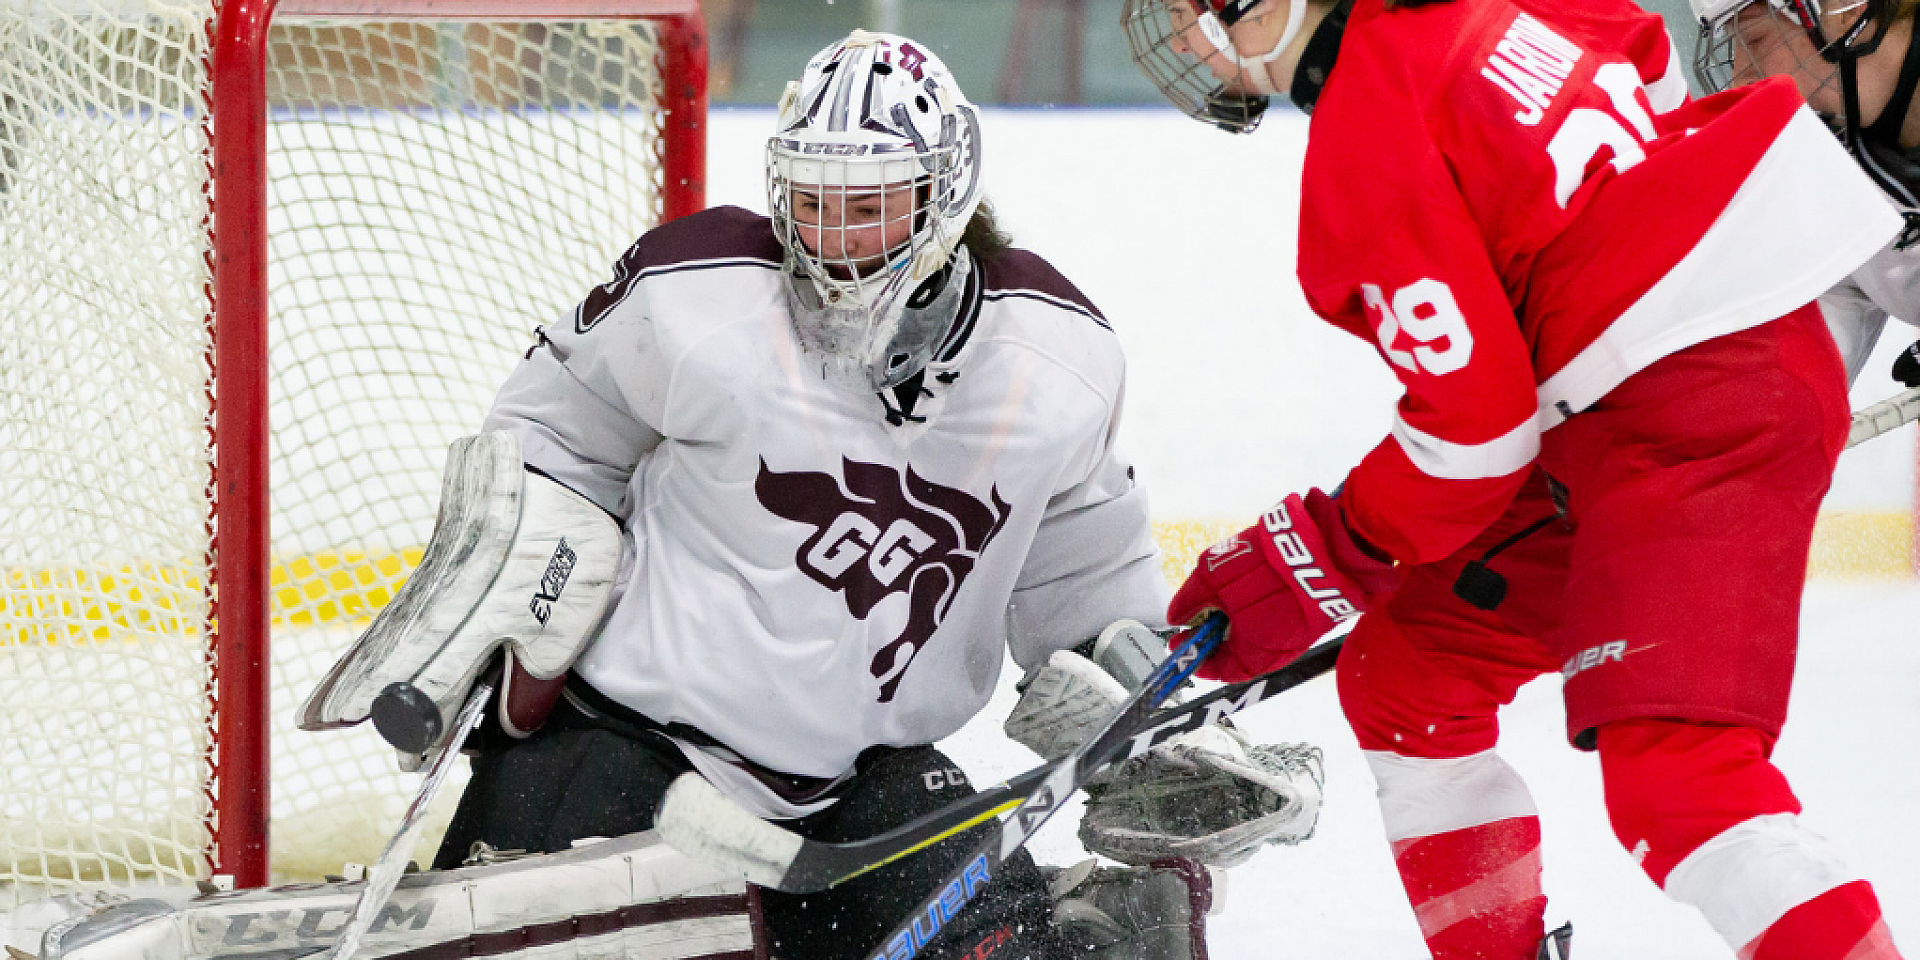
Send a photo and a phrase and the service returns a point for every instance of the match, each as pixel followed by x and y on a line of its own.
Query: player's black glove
pixel 1906 367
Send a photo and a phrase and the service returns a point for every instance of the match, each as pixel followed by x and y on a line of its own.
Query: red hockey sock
pixel 1672 785
pixel 1476 891
pixel 1713 822
pixel 1842 924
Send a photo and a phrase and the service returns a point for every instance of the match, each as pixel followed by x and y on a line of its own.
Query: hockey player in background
pixel 1621 412
pixel 856 452
pixel 1825 48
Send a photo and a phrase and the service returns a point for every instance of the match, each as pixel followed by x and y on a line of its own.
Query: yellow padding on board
pixel 79 605
pixel 334 588
pixel 1863 546
pixel 1181 542
pixel 330 588
pixel 47 607
pixel 1846 546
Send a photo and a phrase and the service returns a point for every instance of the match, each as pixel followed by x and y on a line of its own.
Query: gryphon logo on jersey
pixel 882 534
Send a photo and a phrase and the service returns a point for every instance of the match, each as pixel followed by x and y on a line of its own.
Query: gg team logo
pixel 883 533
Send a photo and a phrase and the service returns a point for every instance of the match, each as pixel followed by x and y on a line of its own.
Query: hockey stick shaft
pixel 701 822
pixel 1005 837
pixel 386 873
pixel 1870 422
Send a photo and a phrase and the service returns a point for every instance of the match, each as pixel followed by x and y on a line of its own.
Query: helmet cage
pixel 1183 48
pixel 863 236
pixel 1734 38
pixel 872 178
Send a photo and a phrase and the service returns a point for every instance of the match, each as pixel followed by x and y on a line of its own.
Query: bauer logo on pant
pixel 1592 657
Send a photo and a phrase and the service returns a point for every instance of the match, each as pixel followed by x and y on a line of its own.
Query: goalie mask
pixel 1185 48
pixel 872 177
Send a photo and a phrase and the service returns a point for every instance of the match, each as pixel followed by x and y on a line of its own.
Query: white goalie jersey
pixel 1857 308
pixel 816 571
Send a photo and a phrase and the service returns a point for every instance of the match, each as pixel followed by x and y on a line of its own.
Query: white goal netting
pixel 436 190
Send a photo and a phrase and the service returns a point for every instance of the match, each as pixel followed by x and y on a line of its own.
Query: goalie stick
pixel 386 873
pixel 697 819
pixel 1005 837
pixel 1870 422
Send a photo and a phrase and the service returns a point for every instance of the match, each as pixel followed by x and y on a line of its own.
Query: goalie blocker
pixel 517 562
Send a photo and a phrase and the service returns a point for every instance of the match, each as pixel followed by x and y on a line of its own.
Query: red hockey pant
pixel 1668 597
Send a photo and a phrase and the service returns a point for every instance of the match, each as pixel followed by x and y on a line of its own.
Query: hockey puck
pixel 407 718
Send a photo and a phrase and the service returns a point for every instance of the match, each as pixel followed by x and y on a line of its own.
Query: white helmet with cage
pixel 1820 44
pixel 1185 48
pixel 1721 62
pixel 872 177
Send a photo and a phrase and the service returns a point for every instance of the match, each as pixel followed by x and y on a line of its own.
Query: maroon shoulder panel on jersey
pixel 1015 273
pixel 716 233
pixel 714 237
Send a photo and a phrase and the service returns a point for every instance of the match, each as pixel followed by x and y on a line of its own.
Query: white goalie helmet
pixel 872 177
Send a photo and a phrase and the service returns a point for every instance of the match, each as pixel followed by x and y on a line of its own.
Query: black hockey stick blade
pixel 698 820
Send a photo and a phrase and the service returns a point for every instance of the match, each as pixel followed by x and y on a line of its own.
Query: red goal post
pixel 259 265
pixel 240 331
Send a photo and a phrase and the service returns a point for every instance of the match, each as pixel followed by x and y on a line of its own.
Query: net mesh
pixel 437 190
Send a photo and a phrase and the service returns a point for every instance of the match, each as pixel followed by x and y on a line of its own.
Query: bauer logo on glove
pixel 1282 582
pixel 1293 549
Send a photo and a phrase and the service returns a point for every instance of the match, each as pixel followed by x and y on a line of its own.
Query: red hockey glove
pixel 1283 583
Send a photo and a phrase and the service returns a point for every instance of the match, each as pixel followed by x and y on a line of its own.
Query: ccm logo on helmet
pixel 1294 551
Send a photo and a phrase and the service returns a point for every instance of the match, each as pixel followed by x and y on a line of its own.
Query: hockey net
pixel 440 177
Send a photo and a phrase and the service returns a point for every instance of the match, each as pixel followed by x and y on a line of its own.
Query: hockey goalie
pixel 772 506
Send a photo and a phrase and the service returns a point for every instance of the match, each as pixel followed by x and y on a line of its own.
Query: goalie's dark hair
pixel 983 236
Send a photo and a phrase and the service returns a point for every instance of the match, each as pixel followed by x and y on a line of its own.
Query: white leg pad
pixel 631 897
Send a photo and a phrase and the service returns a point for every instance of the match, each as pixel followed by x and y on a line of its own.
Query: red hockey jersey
pixel 1516 201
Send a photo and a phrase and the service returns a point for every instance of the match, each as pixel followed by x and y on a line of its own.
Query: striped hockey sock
pixel 1476 891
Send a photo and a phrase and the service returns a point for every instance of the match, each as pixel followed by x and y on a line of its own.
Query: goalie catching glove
pixel 1208 795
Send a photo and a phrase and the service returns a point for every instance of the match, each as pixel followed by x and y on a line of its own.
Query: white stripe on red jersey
pixel 1514 202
